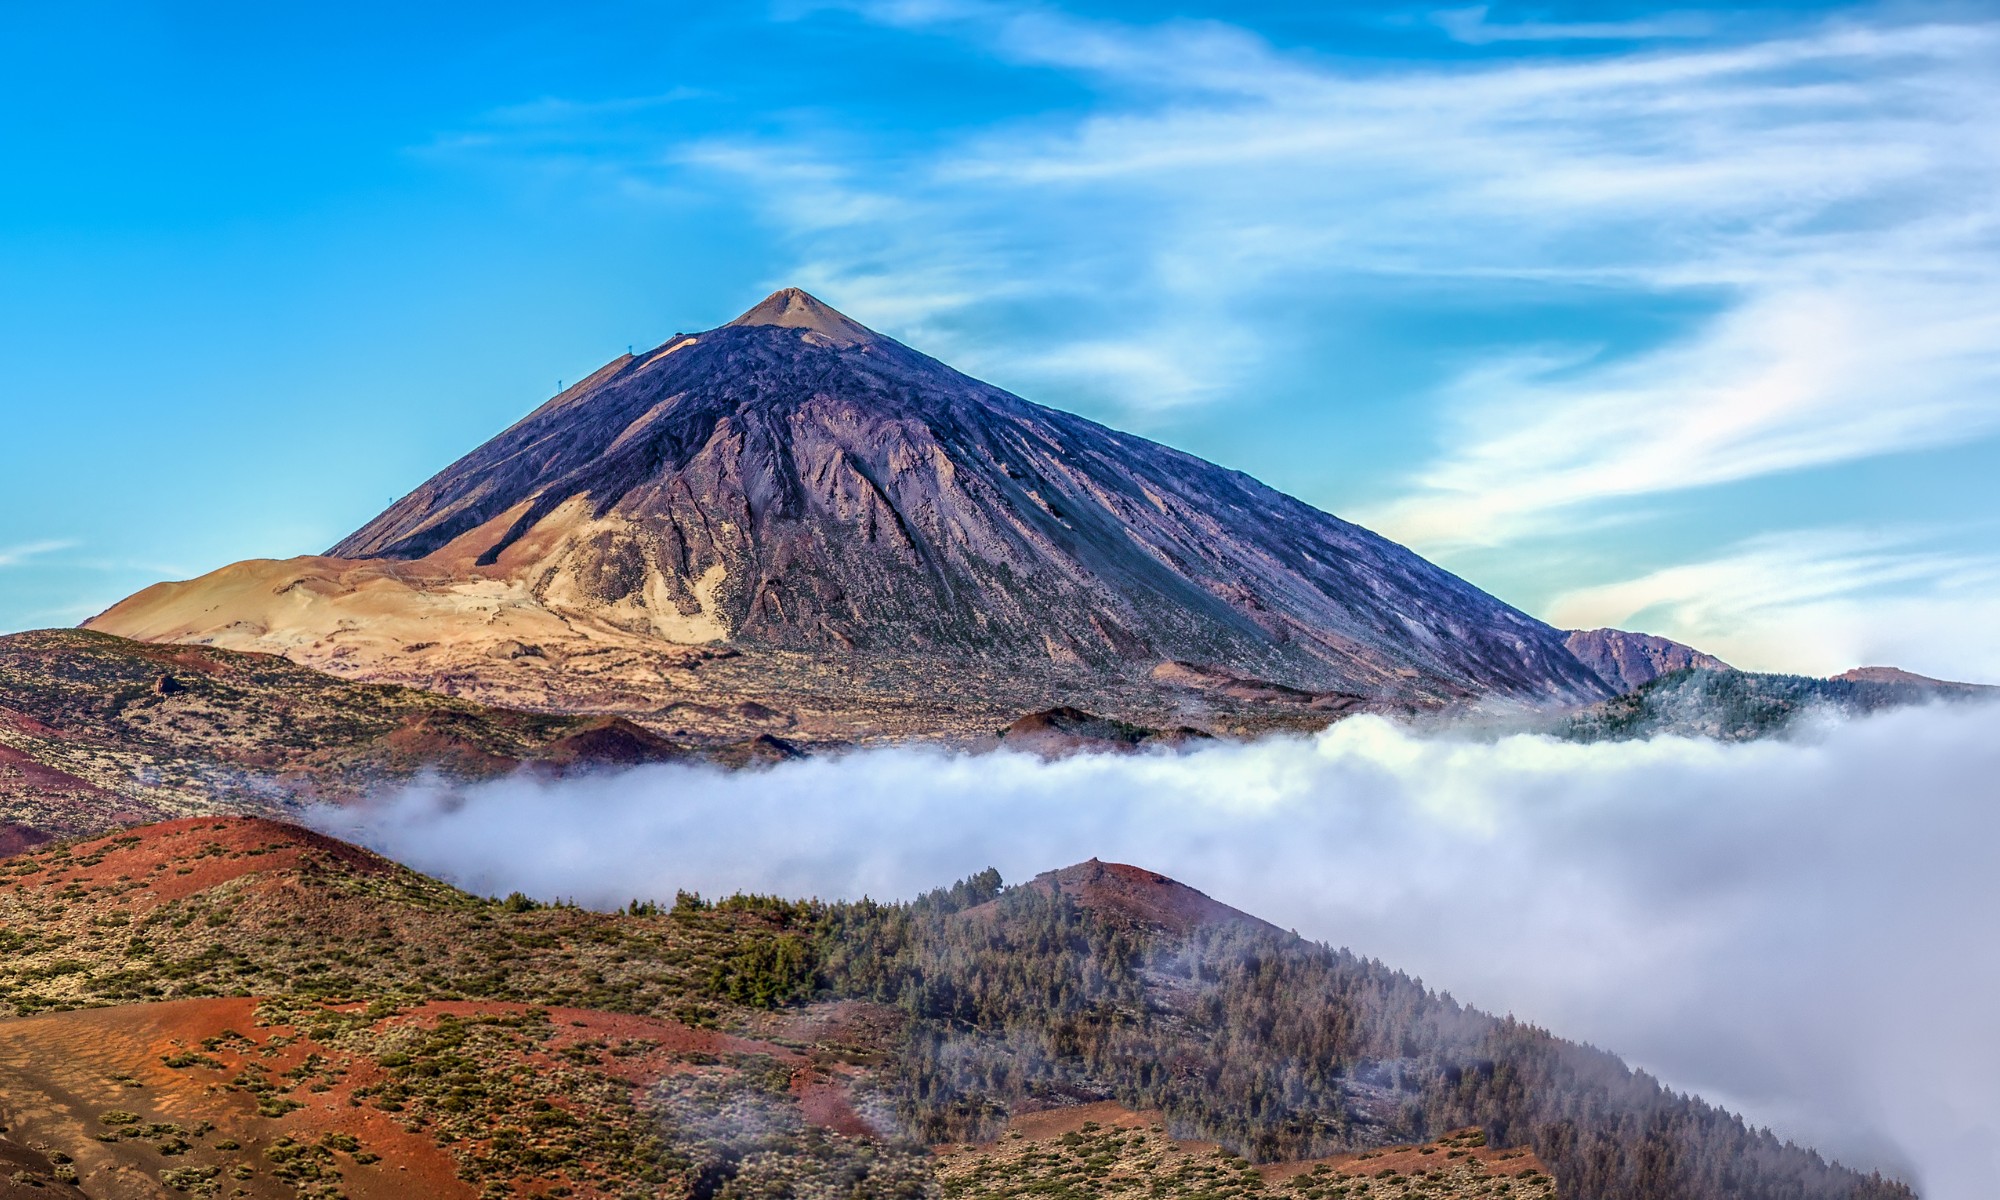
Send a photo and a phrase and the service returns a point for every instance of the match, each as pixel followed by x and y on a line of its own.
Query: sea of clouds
pixel 1802 929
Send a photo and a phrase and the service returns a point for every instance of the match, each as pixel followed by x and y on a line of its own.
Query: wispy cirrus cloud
pixel 1174 56
pixel 1794 377
pixel 1825 194
pixel 1474 25
pixel 605 135
pixel 17 555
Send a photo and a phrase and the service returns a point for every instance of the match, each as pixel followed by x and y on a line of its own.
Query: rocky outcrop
pixel 1062 731
pixel 1133 895
pixel 1628 661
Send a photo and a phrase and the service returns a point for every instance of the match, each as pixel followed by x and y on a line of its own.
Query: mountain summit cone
pixel 794 308
pixel 794 513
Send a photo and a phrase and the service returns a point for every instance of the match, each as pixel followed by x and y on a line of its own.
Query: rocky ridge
pixel 97 732
pixel 1626 661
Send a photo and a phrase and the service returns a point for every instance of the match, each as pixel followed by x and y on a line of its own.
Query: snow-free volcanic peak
pixel 795 308
pixel 840 513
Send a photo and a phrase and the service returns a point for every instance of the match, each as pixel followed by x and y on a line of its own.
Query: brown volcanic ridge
pixel 1628 661
pixel 796 518
pixel 99 731
pixel 1129 895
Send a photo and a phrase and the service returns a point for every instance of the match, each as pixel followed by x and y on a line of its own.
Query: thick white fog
pixel 1806 930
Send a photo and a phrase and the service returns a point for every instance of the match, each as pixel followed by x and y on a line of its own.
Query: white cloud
pixel 1175 55
pixel 1815 602
pixel 807 195
pixel 1830 192
pixel 1472 26
pixel 14 556
pixel 1791 927
pixel 1793 378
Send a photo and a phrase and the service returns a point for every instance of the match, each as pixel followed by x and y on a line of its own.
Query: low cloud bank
pixel 1804 930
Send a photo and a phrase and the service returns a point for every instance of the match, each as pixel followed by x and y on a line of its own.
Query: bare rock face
pixel 1062 731
pixel 797 488
pixel 1628 661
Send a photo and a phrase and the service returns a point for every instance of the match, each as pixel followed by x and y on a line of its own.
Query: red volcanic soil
pixel 171 1063
pixel 824 1096
pixel 1139 896
pixel 1054 1122
pixel 666 1044
pixel 62 1074
pixel 159 863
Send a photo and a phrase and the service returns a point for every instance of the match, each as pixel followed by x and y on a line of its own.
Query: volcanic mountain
pixel 794 512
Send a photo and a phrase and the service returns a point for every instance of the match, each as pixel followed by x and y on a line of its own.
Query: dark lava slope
pixel 858 495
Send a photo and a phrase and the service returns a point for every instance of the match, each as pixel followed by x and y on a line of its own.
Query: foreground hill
pixel 875 540
pixel 237 1006
pixel 98 731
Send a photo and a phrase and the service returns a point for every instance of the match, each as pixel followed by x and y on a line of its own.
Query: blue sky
pixel 1682 319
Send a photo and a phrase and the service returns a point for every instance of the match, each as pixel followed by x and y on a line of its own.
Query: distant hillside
pixel 1897 675
pixel 1626 661
pixel 98 731
pixel 1740 705
pixel 241 1002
